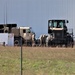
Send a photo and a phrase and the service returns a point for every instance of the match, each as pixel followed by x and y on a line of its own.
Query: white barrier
pixel 6 38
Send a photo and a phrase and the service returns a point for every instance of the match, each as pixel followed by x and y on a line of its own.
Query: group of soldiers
pixel 43 40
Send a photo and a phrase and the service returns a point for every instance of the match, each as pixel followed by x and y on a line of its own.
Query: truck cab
pixel 26 32
pixel 57 28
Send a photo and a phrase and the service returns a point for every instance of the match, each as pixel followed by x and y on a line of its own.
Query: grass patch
pixel 49 67
pixel 37 61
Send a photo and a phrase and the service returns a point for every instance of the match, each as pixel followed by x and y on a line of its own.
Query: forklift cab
pixel 56 25
pixel 57 28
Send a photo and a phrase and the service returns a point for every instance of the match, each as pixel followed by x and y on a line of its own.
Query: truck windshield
pixel 61 24
pixel 28 30
pixel 56 24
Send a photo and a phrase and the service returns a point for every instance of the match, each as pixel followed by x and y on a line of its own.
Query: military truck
pixel 59 31
pixel 24 33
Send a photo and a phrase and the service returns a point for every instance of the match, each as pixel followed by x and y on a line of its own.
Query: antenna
pixel 5 15
pixel 5 12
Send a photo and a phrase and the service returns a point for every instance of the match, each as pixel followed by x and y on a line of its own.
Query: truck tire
pixel 16 42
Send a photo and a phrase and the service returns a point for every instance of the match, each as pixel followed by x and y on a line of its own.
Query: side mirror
pixel 67 21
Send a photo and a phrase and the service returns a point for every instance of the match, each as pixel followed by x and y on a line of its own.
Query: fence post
pixel 21 53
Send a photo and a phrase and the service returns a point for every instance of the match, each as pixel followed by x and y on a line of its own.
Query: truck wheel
pixel 72 45
pixel 16 42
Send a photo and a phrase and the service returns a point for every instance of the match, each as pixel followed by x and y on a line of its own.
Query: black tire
pixel 16 42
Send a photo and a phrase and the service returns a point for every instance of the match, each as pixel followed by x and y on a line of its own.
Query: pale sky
pixel 36 13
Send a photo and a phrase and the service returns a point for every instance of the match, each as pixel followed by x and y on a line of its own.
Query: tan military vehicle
pixel 24 33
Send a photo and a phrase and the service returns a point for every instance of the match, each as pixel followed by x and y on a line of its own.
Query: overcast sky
pixel 36 13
